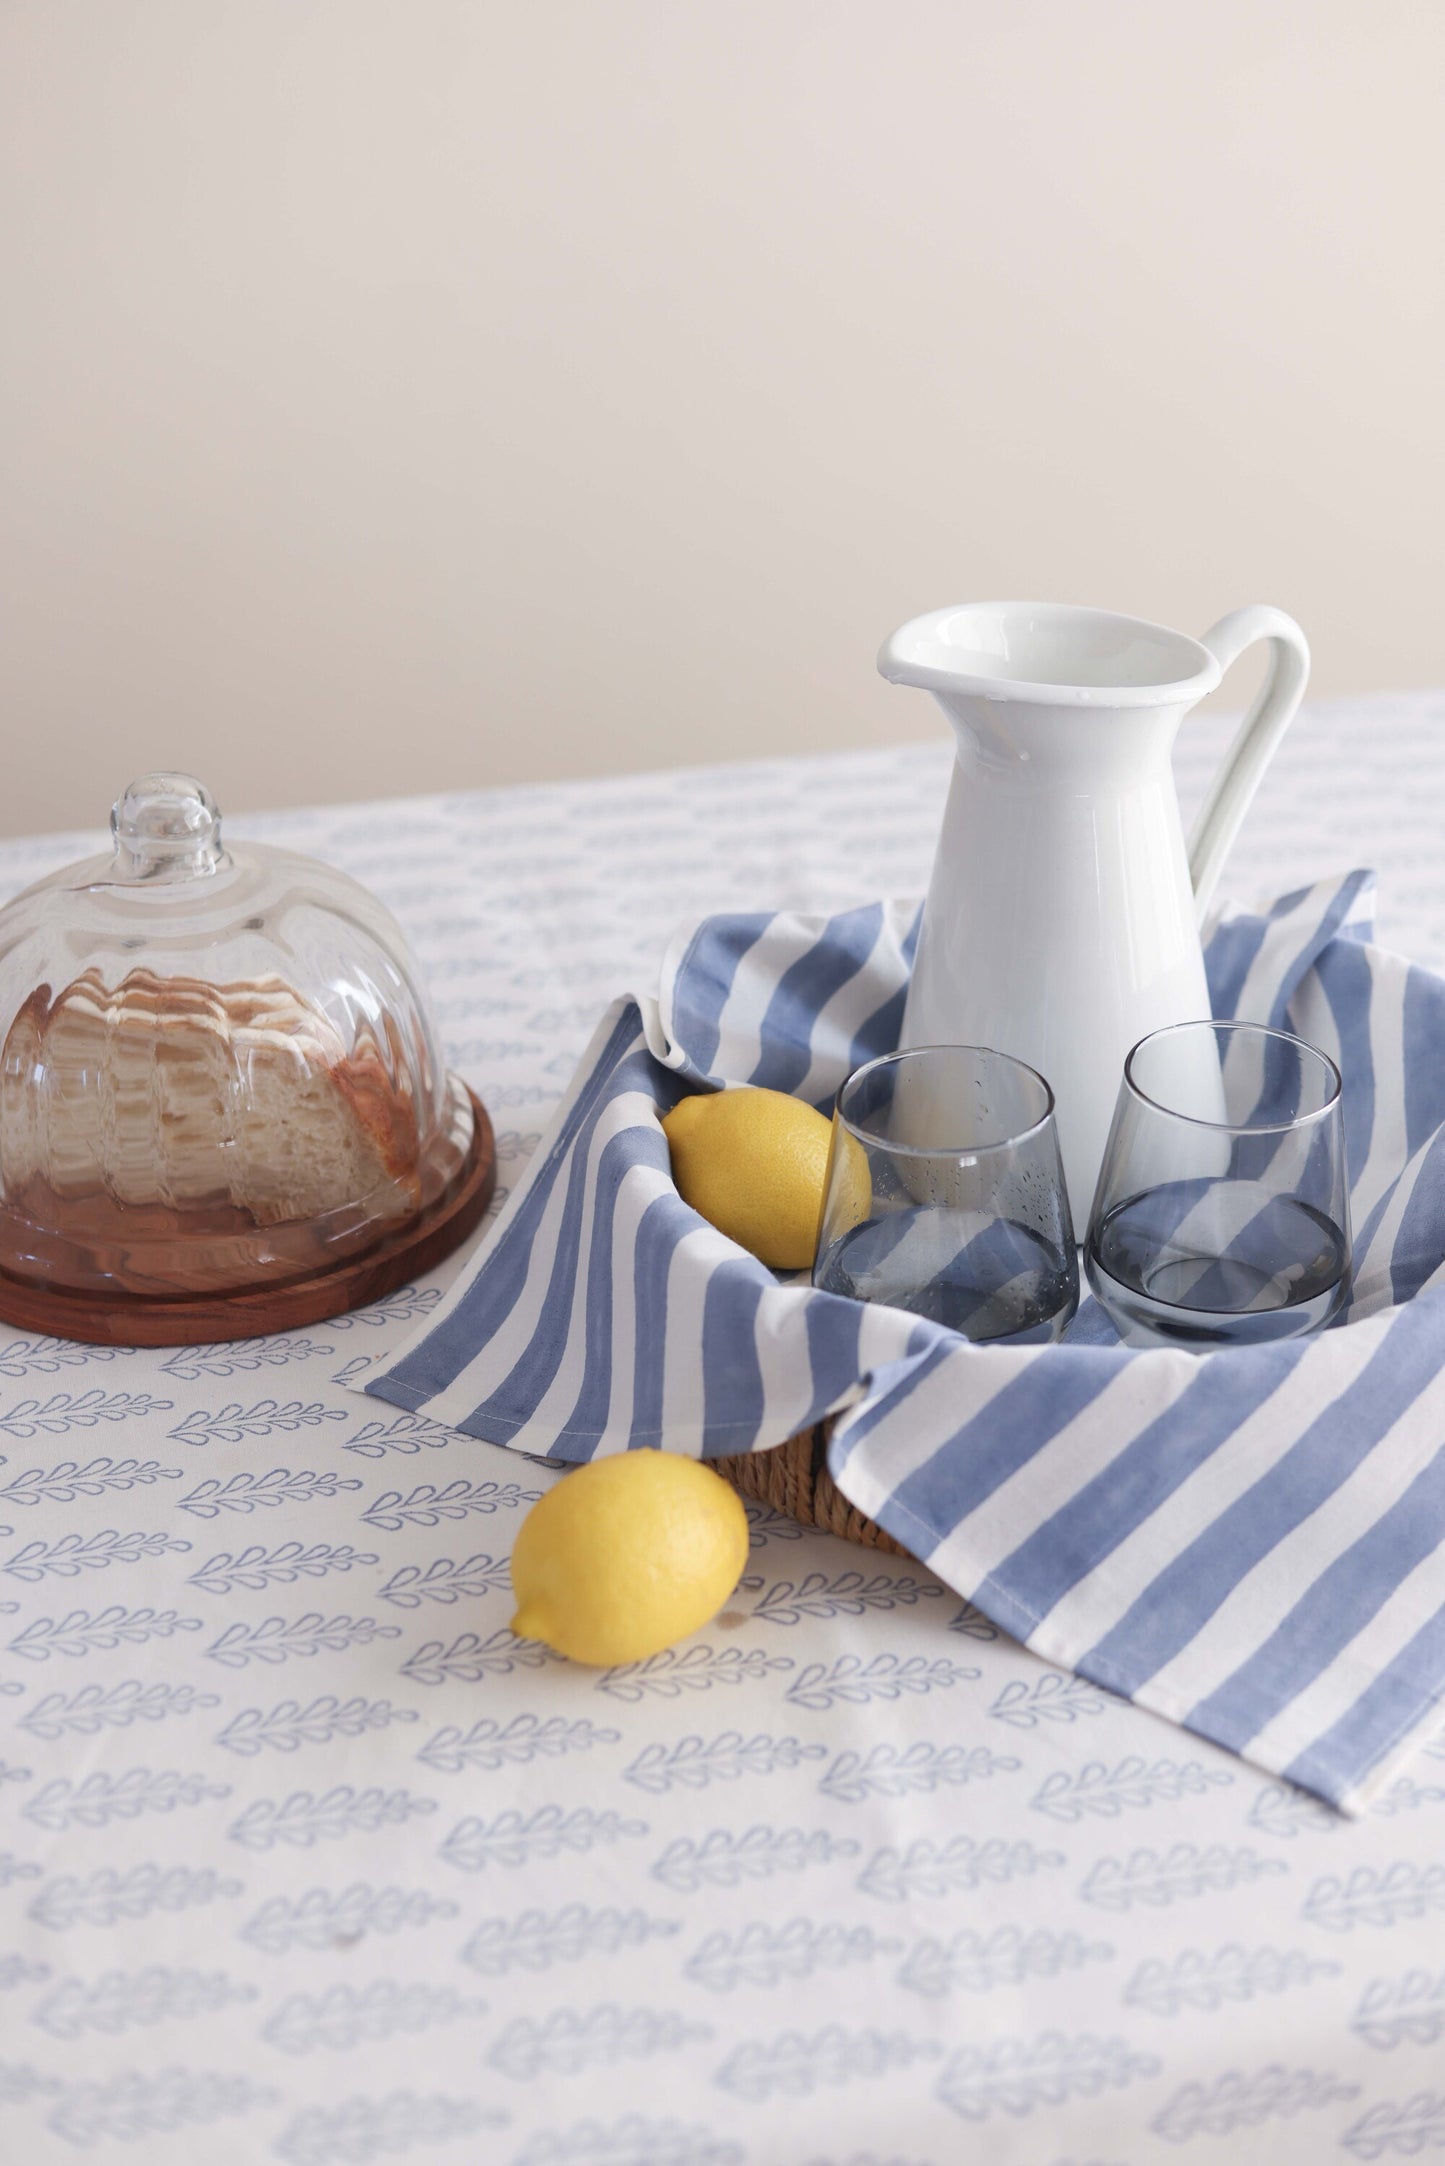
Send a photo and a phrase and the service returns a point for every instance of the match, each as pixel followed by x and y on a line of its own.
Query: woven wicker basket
pixel 794 1478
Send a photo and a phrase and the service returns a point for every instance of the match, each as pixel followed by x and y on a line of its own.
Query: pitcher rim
pixel 898 668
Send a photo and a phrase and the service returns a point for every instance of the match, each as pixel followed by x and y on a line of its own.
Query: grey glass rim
pixel 866 1136
pixel 1235 1128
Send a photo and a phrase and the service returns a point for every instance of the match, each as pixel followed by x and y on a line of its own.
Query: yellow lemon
pixel 753 1163
pixel 626 1555
pixel 850 1184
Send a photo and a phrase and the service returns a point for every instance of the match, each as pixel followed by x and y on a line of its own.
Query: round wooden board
pixel 196 1319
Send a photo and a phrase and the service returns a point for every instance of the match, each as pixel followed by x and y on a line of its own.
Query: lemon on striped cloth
pixel 753 1163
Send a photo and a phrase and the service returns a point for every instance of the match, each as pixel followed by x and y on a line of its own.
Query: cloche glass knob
pixel 166 826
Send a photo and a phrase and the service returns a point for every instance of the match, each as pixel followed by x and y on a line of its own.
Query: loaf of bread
pixel 201 1099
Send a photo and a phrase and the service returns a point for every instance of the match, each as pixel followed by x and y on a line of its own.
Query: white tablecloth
pixel 303 1857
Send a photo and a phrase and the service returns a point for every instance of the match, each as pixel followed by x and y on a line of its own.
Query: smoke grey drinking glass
pixel 945 1195
pixel 1222 1214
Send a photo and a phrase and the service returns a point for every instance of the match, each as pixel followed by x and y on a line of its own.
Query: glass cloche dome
pixel 219 1078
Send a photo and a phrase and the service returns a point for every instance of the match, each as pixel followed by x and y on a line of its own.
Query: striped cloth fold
pixel 1247 1542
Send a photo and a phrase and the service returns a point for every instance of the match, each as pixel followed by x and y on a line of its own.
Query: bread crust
pixel 221 1104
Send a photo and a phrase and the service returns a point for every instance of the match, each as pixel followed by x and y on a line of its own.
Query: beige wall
pixel 403 394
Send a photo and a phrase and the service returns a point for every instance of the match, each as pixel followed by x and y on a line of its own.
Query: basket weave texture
pixel 794 1478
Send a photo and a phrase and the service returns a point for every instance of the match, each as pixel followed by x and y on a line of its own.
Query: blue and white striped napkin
pixel 1247 1542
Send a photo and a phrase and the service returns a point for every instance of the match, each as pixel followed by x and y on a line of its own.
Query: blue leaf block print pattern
pixel 721 1859
pixel 468 1658
pixel 569 2040
pixel 119 2000
pixel 77 1553
pixel 1401 1892
pixel 1015 2075
pixel 275 1639
pixel 307 1817
pixel 100 1707
pixel 1104 1793
pixel 1399 2128
pixel 237 1424
pixel 1024 1703
pixel 65 1410
pixel 100 1798
pixel 407 1434
pixel 899 1770
pixel 795 2064
pixel 323 1919
pixel 516 1838
pixel 1196 1981
pixel 21 2085
pixel 852 1681
pixel 1153 1879
pixel 534 1941
pixel 344 2016
pixel 846 1594
pixel 46 1357
pixel 112 1897
pixel 1010 1955
pixel 244 1493
pixel 73 1478
pixel 431 1503
pixel 765 1955
pixel 368 2128
pixel 1239 2101
pixel 1405 2011
pixel 695 1668
pixel 632 2141
pixel 305 1858
pixel 82 1632
pixel 695 1763
pixel 931 1869
pixel 256 1567
pixel 492 1745
pixel 1282 1809
pixel 187 1364
pixel 130 2107
pixel 1405 1795
pixel 290 1724
pixel 447 1579
pixel 402 1307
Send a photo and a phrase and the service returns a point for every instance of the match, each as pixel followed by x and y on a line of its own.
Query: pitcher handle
pixel 1244 764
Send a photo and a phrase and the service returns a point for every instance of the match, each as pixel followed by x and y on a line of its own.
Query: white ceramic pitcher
pixel 1062 920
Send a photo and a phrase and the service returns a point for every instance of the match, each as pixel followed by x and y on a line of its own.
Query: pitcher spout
pixel 1048 654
